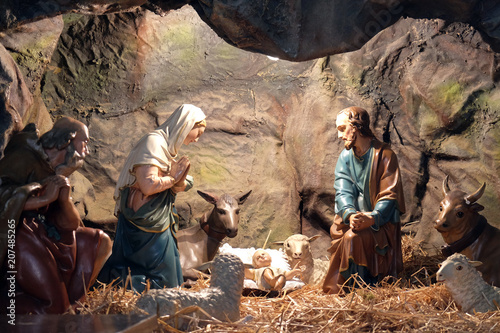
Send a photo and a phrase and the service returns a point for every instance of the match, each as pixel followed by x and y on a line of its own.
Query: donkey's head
pixel 225 215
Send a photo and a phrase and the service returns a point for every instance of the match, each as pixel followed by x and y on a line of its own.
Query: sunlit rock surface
pixel 430 87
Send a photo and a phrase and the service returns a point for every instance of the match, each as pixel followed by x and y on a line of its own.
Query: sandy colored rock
pixel 430 88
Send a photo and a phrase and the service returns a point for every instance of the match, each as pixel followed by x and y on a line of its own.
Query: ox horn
pixel 446 187
pixel 476 195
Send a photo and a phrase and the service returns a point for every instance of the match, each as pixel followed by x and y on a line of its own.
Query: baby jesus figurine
pixel 267 277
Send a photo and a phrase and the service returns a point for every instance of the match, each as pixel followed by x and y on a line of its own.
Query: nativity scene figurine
pixel 466 231
pixel 153 174
pixel 369 200
pixel 56 258
pixel 265 275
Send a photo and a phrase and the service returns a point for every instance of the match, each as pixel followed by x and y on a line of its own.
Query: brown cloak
pixel 52 266
pixel 378 253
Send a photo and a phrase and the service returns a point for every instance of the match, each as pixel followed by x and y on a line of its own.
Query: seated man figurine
pixel 55 259
pixel 267 277
pixel 368 202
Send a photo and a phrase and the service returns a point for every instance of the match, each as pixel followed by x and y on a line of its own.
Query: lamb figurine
pixel 467 286
pixel 298 250
pixel 221 300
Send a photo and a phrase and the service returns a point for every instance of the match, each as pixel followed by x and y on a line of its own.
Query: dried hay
pixel 412 303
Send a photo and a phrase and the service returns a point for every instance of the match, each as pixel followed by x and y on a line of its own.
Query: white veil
pixel 159 147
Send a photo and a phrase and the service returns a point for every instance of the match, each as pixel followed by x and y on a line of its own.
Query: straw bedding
pixel 413 303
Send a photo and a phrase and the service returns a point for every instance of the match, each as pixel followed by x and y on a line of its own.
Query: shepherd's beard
pixel 72 162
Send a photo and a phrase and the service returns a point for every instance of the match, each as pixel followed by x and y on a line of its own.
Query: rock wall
pixel 124 74
pixel 433 88
pixel 430 88
pixel 25 53
pixel 291 30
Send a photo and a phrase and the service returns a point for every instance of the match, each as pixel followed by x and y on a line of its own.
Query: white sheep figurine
pixel 221 300
pixel 298 251
pixel 467 286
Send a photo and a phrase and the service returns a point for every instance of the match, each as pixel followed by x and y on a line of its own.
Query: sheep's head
pixel 297 246
pixel 457 268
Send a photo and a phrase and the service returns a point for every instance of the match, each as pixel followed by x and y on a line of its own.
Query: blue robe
pixel 146 243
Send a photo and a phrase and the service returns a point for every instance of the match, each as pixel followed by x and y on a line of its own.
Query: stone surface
pixel 433 86
pixel 291 30
pixel 176 60
pixel 430 88
pixel 24 55
pixel 15 98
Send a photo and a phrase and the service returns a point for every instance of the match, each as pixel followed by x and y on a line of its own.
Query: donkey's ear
pixel 244 197
pixel 209 197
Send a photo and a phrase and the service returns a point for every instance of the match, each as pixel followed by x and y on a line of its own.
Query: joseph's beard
pixel 349 144
pixel 72 161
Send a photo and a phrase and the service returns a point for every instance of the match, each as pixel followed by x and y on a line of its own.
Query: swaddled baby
pixel 266 276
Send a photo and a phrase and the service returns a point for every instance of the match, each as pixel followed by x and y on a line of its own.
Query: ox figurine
pixel 466 231
pixel 199 244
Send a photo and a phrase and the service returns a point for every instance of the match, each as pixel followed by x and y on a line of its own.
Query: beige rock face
pixel 430 88
pixel 163 63
pixel 31 46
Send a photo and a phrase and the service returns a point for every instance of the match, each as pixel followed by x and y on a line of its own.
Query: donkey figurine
pixel 199 244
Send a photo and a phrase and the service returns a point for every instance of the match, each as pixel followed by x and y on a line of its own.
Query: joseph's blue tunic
pixel 352 188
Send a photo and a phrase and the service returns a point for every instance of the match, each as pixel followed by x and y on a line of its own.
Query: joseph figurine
pixel 366 233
